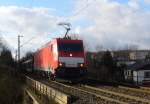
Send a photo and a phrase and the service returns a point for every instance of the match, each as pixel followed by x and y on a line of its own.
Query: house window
pixel 126 73
pixel 147 75
pixel 129 73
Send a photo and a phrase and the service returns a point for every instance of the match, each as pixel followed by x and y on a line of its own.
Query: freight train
pixel 60 58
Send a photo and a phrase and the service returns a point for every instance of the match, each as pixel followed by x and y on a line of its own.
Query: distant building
pixel 126 57
pixel 139 54
pixel 125 62
pixel 138 73
pixel 121 55
pixel 130 54
pixel 129 57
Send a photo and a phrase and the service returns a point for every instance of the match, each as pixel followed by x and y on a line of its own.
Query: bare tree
pixel 99 48
pixel 133 47
pixel 86 45
pixel 1 42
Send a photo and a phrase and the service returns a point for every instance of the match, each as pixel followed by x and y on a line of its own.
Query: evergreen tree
pixel 6 57
pixel 109 64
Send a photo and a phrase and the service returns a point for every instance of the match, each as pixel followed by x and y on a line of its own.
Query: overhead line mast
pixel 19 36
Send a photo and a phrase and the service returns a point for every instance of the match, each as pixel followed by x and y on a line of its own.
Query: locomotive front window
pixel 70 47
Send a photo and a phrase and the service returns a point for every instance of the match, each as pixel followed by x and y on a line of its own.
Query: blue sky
pixel 102 21
pixel 121 1
pixel 63 7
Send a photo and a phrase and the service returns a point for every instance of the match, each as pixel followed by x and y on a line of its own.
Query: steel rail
pixel 135 89
pixel 90 93
pixel 119 94
pixel 145 88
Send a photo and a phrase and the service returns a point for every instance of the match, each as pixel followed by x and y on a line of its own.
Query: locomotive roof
pixel 63 39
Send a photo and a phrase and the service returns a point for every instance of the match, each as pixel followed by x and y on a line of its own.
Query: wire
pixel 82 9
pixel 77 13
pixel 27 42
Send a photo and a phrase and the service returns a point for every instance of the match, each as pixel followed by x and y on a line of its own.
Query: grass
pixel 11 88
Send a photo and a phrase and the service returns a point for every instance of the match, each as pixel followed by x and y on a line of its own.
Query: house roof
pixel 140 65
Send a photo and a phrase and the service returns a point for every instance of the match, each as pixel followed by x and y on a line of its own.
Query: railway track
pixel 129 91
pixel 141 89
pixel 117 95
pixel 145 88
pixel 83 96
pixel 91 95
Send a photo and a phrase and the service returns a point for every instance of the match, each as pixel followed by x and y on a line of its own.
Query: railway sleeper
pixel 137 99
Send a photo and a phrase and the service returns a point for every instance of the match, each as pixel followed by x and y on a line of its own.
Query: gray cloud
pixel 147 1
pixel 39 23
pixel 115 24
pixel 109 24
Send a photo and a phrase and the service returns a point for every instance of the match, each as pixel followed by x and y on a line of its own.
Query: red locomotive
pixel 63 58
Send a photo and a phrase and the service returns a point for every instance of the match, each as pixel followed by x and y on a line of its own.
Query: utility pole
pixel 16 55
pixel 19 36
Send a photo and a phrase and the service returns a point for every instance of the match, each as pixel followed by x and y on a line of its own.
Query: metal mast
pixel 19 36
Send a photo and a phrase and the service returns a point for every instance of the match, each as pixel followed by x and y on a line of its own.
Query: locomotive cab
pixel 71 59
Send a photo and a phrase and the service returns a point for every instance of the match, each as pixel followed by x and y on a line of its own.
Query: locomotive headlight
pixel 81 65
pixel 60 64
pixel 70 55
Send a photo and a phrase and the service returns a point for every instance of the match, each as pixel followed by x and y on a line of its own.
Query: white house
pixel 138 73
